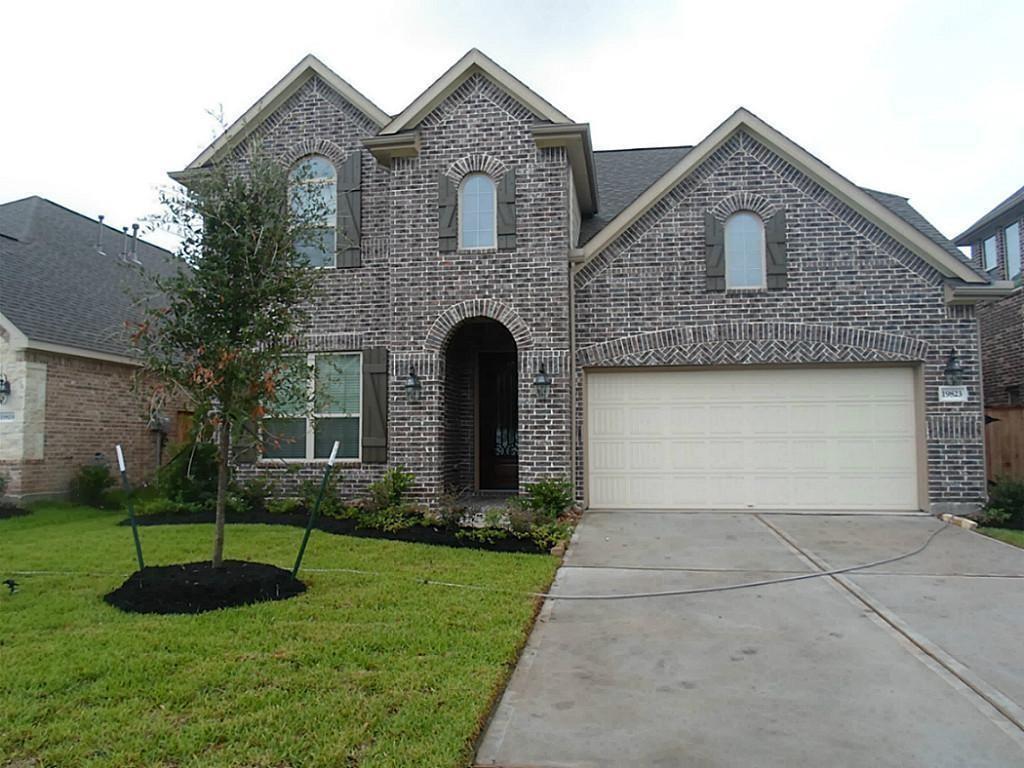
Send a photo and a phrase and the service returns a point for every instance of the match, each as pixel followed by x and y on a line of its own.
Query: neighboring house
pixel 65 296
pixel 995 243
pixel 730 325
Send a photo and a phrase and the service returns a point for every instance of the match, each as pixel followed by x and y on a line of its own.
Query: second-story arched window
pixel 477 212
pixel 744 251
pixel 314 185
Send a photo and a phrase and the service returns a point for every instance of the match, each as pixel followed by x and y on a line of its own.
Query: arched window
pixel 744 251
pixel 477 201
pixel 314 184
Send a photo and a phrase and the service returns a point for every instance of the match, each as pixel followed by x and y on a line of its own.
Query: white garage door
pixel 788 438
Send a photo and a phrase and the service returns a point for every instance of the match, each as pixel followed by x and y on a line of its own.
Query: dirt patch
pixel 11 510
pixel 418 534
pixel 198 587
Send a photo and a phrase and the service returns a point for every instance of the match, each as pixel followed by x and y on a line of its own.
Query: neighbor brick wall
pixel 91 406
pixel 854 295
pixel 1002 347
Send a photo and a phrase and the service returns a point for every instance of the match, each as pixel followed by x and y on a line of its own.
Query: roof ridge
pixel 92 220
pixel 644 149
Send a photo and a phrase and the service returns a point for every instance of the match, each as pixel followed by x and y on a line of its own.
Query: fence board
pixel 1004 441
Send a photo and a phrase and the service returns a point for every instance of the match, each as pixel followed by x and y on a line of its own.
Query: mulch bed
pixel 199 587
pixel 418 534
pixel 11 510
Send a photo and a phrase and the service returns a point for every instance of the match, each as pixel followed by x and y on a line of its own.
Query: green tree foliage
pixel 220 328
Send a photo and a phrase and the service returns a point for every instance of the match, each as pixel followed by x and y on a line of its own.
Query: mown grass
pixel 1008 535
pixel 361 670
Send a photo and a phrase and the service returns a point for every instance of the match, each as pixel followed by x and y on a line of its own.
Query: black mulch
pixel 198 587
pixel 11 510
pixel 419 534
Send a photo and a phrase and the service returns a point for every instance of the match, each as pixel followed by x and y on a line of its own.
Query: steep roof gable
pixel 472 63
pixel 300 74
pixel 857 198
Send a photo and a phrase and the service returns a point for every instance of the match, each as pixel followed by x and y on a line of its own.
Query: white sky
pixel 919 98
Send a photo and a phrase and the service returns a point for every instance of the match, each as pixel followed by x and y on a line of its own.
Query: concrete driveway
pixel 915 663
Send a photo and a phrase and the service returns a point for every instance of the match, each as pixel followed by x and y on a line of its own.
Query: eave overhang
pixel 386 148
pixel 575 139
pixel 962 293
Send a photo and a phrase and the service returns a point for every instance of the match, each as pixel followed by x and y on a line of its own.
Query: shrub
pixel 330 505
pixel 547 535
pixel 90 483
pixel 391 519
pixel 163 506
pixel 485 535
pixel 191 475
pixel 391 489
pixel 548 499
pixel 255 493
pixel 3 484
pixel 1005 506
pixel 287 506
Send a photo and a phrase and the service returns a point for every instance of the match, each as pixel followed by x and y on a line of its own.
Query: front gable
pixel 787 158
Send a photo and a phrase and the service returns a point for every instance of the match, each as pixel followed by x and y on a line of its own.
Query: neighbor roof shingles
pixel 993 217
pixel 55 287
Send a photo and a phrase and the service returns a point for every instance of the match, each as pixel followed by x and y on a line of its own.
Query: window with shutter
pixel 506 225
pixel 375 405
pixel 333 382
pixel 477 212
pixel 350 211
pixel 777 258
pixel 314 187
pixel 714 253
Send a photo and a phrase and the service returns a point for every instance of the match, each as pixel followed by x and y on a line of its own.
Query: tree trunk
pixel 224 446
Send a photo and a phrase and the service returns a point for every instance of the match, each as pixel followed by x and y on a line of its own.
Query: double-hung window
pixel 314 188
pixel 324 405
pixel 1011 239
pixel 477 212
pixel 989 249
pixel 744 251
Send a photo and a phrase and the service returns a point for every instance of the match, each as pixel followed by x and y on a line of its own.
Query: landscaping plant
pixel 1005 507
pixel 90 484
pixel 219 330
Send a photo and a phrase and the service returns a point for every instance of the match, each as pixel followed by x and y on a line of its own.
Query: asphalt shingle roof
pixel 624 174
pixel 55 286
pixel 991 220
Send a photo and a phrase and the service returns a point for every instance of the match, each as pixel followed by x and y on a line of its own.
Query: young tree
pixel 221 329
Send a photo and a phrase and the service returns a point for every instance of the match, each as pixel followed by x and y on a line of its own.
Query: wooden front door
pixel 498 431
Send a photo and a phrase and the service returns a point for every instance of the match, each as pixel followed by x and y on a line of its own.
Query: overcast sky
pixel 920 98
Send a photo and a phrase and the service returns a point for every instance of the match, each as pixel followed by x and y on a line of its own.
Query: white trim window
pixel 334 385
pixel 991 257
pixel 744 251
pixel 478 212
pixel 314 181
pixel 1011 239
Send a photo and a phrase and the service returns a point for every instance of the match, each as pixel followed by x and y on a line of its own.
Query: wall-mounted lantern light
pixel 542 382
pixel 5 388
pixel 413 387
pixel 953 373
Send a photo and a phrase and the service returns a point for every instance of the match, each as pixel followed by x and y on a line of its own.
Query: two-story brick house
pixel 726 325
pixel 995 243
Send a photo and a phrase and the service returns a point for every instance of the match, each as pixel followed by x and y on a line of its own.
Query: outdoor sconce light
pixel 5 389
pixel 542 381
pixel 413 387
pixel 953 373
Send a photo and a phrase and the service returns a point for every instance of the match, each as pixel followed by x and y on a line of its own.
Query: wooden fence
pixel 1004 441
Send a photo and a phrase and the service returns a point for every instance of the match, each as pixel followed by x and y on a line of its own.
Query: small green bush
pixel 3 484
pixel 191 475
pixel 485 535
pixel 548 499
pixel 330 505
pixel 164 506
pixel 390 519
pixel 547 535
pixel 256 493
pixel 89 485
pixel 285 506
pixel 1005 508
pixel 391 489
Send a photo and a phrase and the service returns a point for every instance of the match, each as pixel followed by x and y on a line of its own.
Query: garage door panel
pixel 788 438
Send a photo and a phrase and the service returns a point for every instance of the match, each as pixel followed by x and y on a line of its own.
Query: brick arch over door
pixel 445 324
pixel 770 343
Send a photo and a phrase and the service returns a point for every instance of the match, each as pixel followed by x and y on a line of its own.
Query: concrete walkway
pixel 915 663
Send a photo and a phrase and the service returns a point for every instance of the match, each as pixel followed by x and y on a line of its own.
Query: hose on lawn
pixel 614 596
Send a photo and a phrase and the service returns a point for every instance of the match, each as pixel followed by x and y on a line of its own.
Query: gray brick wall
pixel 854 295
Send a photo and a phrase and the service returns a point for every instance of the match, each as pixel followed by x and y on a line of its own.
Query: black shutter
pixel 350 211
pixel 775 242
pixel 714 256
pixel 447 221
pixel 375 405
pixel 507 210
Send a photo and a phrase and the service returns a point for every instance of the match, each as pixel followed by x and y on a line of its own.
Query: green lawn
pixel 359 671
pixel 1008 535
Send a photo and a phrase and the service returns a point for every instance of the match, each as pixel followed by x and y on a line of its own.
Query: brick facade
pixel 854 294
pixel 89 406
